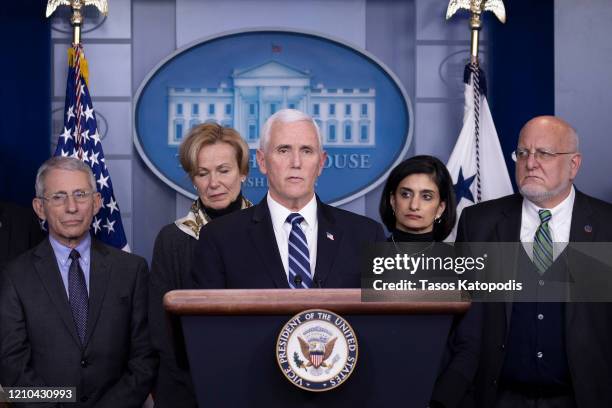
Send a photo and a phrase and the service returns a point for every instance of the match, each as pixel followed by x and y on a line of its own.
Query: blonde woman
pixel 216 159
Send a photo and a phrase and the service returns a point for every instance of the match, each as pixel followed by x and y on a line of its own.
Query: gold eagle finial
pixel 77 18
pixel 477 7
pixel 101 5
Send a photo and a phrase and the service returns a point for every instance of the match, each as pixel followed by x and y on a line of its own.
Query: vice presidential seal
pixel 317 350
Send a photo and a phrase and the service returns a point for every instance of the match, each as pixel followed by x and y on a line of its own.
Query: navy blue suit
pixel 239 250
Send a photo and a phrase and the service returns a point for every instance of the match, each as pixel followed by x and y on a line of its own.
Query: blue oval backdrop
pixel 240 79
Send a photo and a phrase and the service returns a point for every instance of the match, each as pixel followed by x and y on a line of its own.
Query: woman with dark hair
pixel 418 201
pixel 418 205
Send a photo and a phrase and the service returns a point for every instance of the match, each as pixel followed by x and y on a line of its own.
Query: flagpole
pixel 476 8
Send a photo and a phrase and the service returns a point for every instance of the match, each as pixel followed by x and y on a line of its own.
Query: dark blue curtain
pixel 521 72
pixel 25 96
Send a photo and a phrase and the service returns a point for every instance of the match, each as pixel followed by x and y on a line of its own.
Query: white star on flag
pixel 109 226
pixel 112 205
pixel 88 113
pixel 102 181
pixel 96 138
pixel 93 159
pixel 96 225
pixel 66 134
pixel 70 113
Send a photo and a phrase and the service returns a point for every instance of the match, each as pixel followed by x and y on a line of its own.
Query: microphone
pixel 318 282
pixel 297 281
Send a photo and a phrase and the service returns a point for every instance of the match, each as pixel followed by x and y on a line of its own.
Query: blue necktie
pixel 542 243
pixel 77 291
pixel 299 258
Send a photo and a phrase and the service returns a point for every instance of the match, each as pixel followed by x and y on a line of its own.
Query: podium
pixel 230 338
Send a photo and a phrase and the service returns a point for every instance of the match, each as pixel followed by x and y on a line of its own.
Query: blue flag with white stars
pixel 80 139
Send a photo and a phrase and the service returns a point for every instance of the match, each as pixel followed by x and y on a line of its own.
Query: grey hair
pixel 574 139
pixel 286 116
pixel 61 163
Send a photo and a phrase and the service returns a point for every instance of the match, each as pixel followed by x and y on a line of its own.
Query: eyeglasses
pixel 541 155
pixel 57 199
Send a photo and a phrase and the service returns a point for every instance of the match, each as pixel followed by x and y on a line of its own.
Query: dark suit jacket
pixel 239 250
pixel 588 326
pixel 39 343
pixel 19 231
pixel 170 270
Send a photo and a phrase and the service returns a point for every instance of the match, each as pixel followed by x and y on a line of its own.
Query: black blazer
pixel 170 270
pixel 39 344
pixel 239 250
pixel 588 326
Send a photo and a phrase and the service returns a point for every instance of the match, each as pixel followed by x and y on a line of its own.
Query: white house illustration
pixel 346 116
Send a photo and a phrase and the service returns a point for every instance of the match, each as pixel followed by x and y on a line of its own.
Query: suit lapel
pixel 99 274
pixel 328 241
pixel 46 267
pixel 582 229
pixel 508 229
pixel 262 236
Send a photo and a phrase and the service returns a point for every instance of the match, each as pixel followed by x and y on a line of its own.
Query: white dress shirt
pixel 559 224
pixel 282 228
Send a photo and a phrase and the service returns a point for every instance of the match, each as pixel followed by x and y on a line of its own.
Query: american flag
pixel 80 139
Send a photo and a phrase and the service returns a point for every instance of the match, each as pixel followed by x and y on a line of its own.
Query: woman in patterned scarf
pixel 216 158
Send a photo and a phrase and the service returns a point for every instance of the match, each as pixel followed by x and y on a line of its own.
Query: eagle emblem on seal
pixel 316 352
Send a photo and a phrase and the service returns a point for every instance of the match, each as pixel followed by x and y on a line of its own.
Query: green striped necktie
pixel 543 243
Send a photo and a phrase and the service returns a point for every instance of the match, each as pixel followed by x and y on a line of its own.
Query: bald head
pixel 546 173
pixel 554 127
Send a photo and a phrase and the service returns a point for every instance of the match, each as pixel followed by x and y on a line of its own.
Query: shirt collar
pixel 563 210
pixel 279 213
pixel 62 252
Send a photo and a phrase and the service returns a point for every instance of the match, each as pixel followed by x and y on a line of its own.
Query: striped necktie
pixel 77 291
pixel 299 258
pixel 543 243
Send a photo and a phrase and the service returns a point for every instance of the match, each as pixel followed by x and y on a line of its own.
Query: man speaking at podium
pixel 290 239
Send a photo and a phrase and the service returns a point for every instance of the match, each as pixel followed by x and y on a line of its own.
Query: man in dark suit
pixel 290 239
pixel 544 354
pixel 73 311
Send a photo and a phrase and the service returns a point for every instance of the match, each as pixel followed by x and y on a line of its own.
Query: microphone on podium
pixel 297 281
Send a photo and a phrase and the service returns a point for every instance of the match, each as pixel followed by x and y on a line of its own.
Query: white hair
pixel 286 116
pixel 62 163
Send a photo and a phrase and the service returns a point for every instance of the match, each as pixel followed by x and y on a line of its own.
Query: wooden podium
pixel 230 337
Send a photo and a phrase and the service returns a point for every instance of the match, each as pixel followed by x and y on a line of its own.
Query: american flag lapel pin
pixel 330 236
